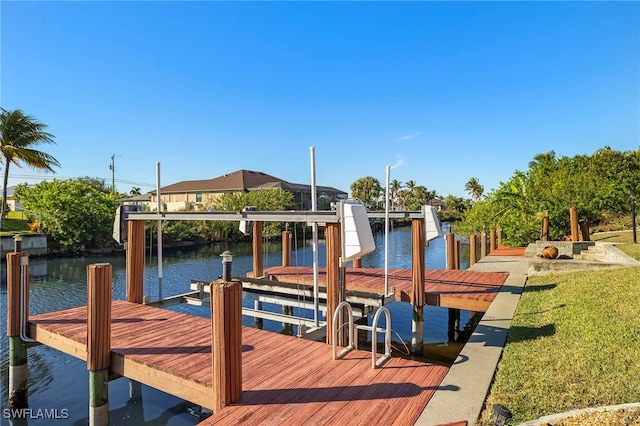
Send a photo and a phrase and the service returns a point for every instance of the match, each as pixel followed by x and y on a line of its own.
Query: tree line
pixel 78 213
pixel 602 186
pixel 411 196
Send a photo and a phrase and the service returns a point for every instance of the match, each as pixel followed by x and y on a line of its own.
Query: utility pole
pixel 112 167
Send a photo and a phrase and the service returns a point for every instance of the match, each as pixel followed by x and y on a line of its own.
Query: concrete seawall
pixel 34 244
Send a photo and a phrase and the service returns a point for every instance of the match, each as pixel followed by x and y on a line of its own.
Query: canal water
pixel 59 383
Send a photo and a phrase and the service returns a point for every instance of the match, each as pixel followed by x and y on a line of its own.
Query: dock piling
pixel 335 294
pixel 99 284
pixel 492 240
pixel 418 245
pixel 18 368
pixel 286 248
pixel 573 218
pixel 450 241
pixel 258 267
pixel 135 260
pixel 226 342
pixel 473 255
pixel 545 226
pixel 483 244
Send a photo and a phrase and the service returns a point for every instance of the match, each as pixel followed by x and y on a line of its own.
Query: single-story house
pixel 187 195
pixel 141 201
pixel 12 203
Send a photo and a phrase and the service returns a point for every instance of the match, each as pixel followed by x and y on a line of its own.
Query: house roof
pixel 240 180
pixel 236 181
pixel 140 197
pixel 297 187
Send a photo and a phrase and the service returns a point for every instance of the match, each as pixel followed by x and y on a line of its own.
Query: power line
pixel 51 177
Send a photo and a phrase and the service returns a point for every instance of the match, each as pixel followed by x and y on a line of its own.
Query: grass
pixel 15 223
pixel 573 342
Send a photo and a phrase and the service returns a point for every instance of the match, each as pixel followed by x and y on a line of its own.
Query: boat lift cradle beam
pixel 304 216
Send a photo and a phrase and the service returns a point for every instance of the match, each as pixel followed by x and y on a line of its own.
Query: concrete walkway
pixel 465 387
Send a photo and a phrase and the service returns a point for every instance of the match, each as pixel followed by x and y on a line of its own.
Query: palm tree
pixel 394 187
pixel 474 188
pixel 367 189
pixel 19 133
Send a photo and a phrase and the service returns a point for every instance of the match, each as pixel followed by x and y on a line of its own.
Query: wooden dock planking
pixel 285 379
pixel 508 251
pixel 397 393
pixel 133 352
pixel 459 289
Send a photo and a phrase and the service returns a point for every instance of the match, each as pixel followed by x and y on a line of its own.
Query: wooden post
pixel 226 342
pixel 357 262
pixel 135 260
pixel 492 240
pixel 499 235
pixel 333 239
pixel 451 247
pixel 99 284
pixel 286 248
pixel 483 244
pixel 418 244
pixel 258 268
pixel 473 256
pixel 545 226
pixel 584 230
pixel 573 217
pixel 457 257
pixel 451 250
pixel 18 368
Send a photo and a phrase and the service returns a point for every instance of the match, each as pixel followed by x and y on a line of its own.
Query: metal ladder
pixel 353 333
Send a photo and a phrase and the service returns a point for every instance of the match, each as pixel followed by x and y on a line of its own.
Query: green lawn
pixel 573 342
pixel 12 226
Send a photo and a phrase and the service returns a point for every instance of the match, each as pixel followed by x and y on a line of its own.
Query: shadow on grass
pixel 560 306
pixel 521 334
pixel 535 288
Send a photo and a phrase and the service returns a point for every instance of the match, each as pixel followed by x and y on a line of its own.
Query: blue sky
pixel 440 91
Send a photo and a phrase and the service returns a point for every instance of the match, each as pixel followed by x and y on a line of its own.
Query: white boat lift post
pixel 159 233
pixel 386 234
pixel 314 208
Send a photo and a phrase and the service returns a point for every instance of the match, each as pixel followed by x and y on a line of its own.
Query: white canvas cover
pixel 358 238
pixel 432 226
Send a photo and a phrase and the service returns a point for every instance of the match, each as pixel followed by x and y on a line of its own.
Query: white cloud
pixel 399 162
pixel 409 137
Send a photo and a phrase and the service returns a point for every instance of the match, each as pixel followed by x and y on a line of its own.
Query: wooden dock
pixel 448 288
pixel 284 379
pixel 255 376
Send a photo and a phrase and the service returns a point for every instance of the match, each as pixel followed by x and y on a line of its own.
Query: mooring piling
pixel 473 255
pixel 418 244
pixel 483 244
pixel 573 218
pixel 226 342
pixel 17 300
pixel 99 284
pixel 286 248
pixel 135 260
